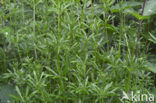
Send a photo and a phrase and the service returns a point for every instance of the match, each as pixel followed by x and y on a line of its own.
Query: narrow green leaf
pixel 19 93
pixel 135 14
pixel 153 38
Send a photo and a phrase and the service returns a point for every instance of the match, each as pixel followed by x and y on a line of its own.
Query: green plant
pixel 73 51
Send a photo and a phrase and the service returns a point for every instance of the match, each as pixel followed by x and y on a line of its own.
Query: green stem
pixel 139 30
pixel 34 23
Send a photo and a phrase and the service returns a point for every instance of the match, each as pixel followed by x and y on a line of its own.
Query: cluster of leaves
pixel 64 51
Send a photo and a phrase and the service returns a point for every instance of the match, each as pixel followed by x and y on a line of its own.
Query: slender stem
pixel 34 23
pixel 139 30
pixel 121 29
pixel 106 16
pixel 23 15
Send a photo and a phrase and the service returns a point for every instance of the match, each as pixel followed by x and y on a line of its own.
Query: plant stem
pixel 139 30
pixel 34 23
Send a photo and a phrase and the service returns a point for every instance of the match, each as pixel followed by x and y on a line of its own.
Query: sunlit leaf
pixel 125 5
pixel 153 38
pixel 19 93
pixel 135 14
pixel 151 67
pixel 150 8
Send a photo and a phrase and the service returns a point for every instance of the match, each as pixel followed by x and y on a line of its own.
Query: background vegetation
pixel 76 51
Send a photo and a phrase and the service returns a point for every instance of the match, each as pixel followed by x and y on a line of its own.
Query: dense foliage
pixel 77 51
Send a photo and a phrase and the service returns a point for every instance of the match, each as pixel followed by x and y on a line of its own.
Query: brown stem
pixel 139 30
